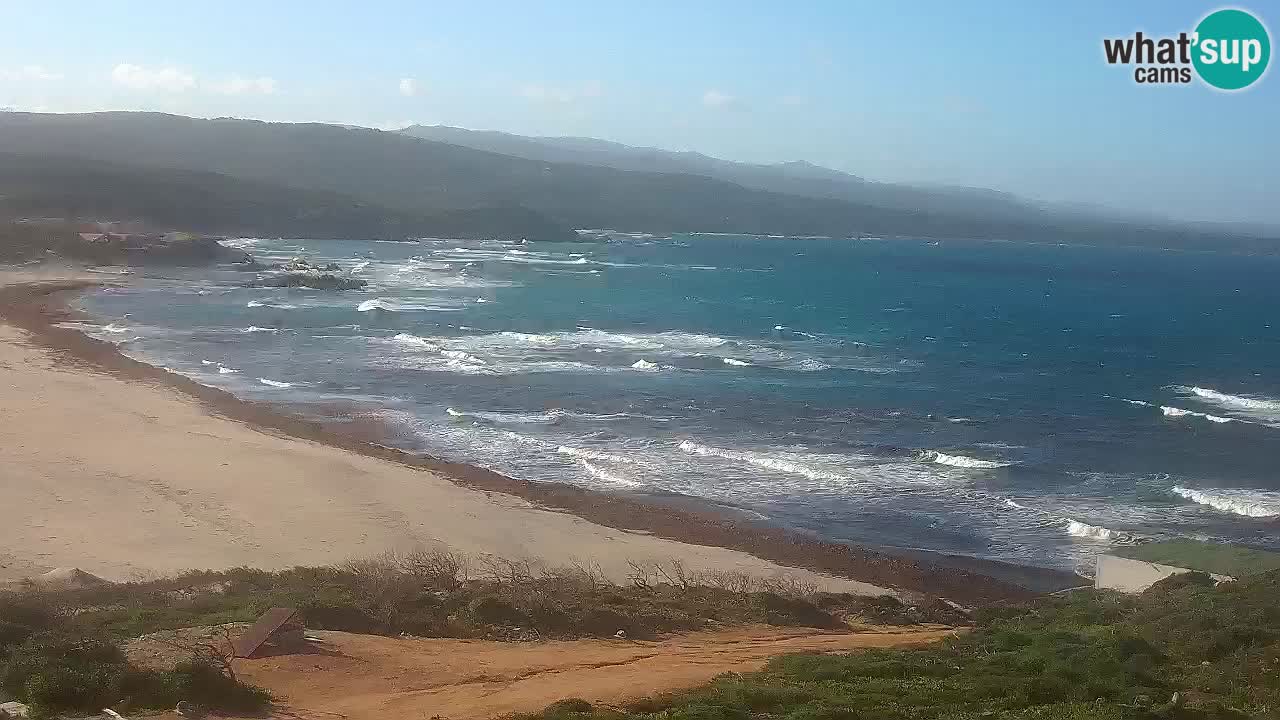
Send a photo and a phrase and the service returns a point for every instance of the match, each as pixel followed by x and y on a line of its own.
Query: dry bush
pixel 437 569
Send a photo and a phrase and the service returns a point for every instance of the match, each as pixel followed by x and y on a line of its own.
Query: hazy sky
pixel 1009 95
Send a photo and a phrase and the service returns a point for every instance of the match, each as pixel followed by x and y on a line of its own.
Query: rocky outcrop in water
pixel 309 279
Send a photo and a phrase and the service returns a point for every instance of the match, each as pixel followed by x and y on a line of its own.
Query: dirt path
pixel 366 676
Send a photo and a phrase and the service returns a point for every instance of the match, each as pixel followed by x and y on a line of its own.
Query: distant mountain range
pixel 231 175
pixel 789 178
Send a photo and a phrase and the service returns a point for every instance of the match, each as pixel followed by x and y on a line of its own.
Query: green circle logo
pixel 1232 49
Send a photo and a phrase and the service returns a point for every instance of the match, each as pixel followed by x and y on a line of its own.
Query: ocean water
pixel 1034 404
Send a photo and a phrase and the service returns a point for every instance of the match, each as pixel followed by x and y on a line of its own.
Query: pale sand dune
pixel 125 479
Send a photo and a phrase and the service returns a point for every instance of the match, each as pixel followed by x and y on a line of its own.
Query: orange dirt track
pixel 374 677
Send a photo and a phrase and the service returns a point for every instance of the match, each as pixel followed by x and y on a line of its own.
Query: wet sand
pixel 124 469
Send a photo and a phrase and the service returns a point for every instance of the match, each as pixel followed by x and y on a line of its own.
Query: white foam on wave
pixel 592 338
pixel 256 329
pixel 962 461
pixel 1180 412
pixel 275 306
pixel 115 329
pixel 608 476
pixel 1240 402
pixel 391 305
pixel 224 370
pixel 599 455
pixel 275 383
pixel 414 341
pixel 547 417
pixel 1139 403
pixel 462 356
pixel 647 350
pixel 1249 504
pixel 239 243
pixel 779 462
pixel 1075 528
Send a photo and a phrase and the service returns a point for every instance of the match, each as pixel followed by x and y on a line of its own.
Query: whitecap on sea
pixel 1258 504
pixel 962 461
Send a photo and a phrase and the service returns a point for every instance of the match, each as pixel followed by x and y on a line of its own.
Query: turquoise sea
pixel 1028 403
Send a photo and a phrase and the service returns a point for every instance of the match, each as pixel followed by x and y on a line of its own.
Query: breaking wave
pixel 962 461
pixel 275 306
pixel 600 473
pixel 1249 504
pixel 414 341
pixel 256 329
pixel 780 463
pixel 584 454
pixel 275 383
pixel 548 417
pixel 1240 402
pixel 1075 528
pixel 1179 412
pixel 389 305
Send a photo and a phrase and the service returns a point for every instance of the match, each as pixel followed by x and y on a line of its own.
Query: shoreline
pixel 36 306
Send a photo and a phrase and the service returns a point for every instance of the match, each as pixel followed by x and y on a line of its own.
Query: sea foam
pixel 1249 504
pixel 1075 528
pixel 1180 412
pixel 779 462
pixel 962 461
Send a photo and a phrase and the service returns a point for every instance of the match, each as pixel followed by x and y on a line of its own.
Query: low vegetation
pixel 61 649
pixel 1184 649
pixel 439 594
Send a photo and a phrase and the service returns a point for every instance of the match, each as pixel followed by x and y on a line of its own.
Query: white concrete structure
pixel 1134 576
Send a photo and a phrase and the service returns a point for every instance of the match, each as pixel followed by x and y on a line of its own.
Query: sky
pixel 1013 96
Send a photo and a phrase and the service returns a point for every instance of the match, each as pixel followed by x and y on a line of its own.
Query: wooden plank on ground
pixel 253 638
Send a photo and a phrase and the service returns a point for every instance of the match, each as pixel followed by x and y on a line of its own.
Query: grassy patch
pixel 1184 649
pixel 1216 558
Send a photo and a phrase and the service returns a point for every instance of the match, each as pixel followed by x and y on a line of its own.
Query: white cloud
pixel 34 73
pixel 717 99
pixel 408 87
pixel 237 85
pixel 562 96
pixel 167 79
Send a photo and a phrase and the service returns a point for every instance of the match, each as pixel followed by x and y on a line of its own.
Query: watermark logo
pixel 1229 50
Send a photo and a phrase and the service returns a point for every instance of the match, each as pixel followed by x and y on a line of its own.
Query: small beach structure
pixel 1134 569
pixel 279 629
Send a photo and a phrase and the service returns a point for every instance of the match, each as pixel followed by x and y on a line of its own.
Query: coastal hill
pixel 37 186
pixel 475 192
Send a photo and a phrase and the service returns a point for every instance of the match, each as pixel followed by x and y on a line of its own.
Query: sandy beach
pixel 128 479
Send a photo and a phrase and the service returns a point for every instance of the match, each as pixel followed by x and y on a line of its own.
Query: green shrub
pixel 68 673
pixel 65 673
pixel 23 615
